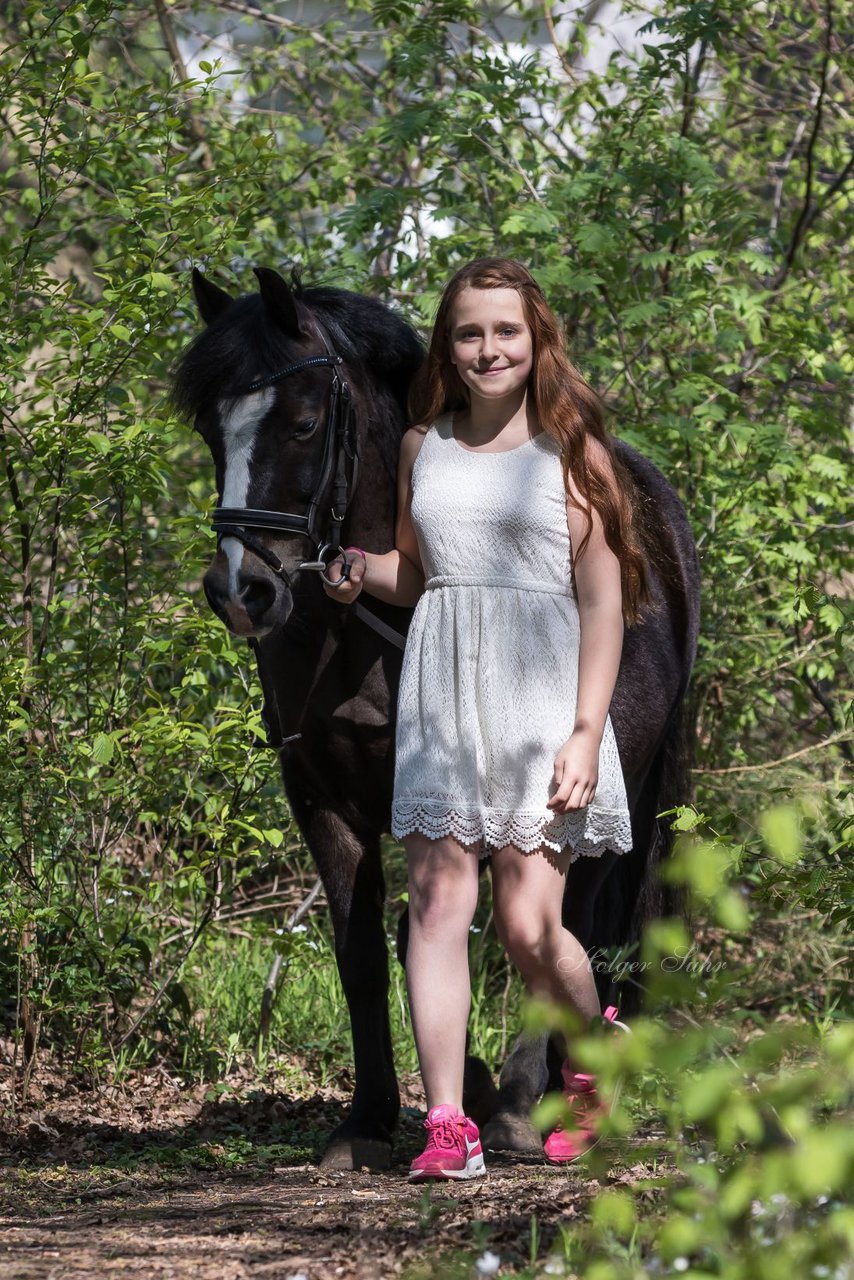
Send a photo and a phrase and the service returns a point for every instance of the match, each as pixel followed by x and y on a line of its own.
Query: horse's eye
pixel 306 429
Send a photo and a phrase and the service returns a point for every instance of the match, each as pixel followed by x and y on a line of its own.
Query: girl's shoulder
pixel 416 441
pixel 411 444
pixel 441 426
pixel 425 432
pixel 547 442
pixel 597 458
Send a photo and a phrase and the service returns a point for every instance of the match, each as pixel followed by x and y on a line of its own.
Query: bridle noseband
pixel 339 467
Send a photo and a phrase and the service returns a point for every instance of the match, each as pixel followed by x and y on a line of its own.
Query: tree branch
pixel 287 24
pixel 269 993
pixel 194 125
pixel 804 220
pixel 842 738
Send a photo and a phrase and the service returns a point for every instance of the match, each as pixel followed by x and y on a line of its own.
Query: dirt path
pixel 292 1221
pixel 163 1182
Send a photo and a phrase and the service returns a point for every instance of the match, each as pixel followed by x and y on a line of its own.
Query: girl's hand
pixel 576 772
pixel 350 589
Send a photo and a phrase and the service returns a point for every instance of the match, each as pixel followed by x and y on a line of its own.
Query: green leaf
pixel 706 1094
pixel 687 819
pixel 531 217
pixel 102 748
pixel 641 312
pixel 781 830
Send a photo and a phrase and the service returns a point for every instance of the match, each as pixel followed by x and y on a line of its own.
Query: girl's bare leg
pixel 527 894
pixel 443 884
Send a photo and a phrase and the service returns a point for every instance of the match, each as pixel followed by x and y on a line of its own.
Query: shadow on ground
pixel 170 1183
pixel 264 1126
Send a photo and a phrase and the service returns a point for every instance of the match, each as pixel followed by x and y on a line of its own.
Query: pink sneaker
pixel 565 1145
pixel 453 1147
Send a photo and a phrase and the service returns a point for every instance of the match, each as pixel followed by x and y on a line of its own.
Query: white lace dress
pixel 490 672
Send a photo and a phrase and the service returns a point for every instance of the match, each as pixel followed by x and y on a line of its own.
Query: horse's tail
pixel 672 785
pixel 668 783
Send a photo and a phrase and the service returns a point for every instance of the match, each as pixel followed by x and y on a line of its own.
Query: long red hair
pixel 567 408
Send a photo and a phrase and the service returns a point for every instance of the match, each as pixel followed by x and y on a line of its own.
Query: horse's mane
pixel 365 330
pixel 243 343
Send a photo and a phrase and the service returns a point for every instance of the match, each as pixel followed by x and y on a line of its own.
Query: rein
pixel 339 469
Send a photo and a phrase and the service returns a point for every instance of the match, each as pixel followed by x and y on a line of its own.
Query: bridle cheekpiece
pixel 338 473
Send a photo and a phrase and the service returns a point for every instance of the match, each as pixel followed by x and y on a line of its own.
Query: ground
pixel 158 1179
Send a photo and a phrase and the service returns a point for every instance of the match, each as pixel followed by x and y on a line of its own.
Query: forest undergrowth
pixel 729 1149
pixel 685 205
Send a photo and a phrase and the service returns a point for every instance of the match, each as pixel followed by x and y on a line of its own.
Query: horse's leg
pixel 533 1066
pixel 480 1096
pixel 352 877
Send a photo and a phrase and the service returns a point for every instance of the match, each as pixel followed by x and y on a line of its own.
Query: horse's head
pixel 268 437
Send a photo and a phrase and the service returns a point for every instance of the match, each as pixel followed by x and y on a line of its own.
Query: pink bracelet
pixel 360 551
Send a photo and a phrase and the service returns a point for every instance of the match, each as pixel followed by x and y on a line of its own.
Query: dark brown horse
pixel 289 387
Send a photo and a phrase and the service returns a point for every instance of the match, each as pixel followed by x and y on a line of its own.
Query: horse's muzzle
pixel 247 596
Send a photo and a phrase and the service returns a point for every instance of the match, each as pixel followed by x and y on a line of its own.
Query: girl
pixel 503 734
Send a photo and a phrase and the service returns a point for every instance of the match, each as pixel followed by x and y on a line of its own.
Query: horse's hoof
pixel 512 1133
pixel 356 1153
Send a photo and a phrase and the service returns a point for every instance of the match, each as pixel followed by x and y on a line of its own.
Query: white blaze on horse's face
pixel 239 423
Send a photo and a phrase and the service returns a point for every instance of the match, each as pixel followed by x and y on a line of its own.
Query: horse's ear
pixel 280 302
pixel 210 299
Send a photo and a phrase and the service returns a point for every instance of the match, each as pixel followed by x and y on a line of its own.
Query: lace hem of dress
pixel 590 831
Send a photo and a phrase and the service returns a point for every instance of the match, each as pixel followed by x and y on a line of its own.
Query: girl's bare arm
pixel 397 576
pixel 599 591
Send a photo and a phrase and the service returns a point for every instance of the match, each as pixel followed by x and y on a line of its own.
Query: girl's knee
pixel 435 908
pixel 529 939
pixel 442 890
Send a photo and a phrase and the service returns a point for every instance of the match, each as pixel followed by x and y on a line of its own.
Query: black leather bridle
pixel 338 474
pixel 339 468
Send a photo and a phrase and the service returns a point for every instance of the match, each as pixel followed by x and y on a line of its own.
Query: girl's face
pixel 491 343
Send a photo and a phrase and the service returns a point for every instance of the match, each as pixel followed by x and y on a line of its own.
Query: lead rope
pixel 271 722
pixel 270 714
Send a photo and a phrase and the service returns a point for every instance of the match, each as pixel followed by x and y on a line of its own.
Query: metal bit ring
pixel 345 568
